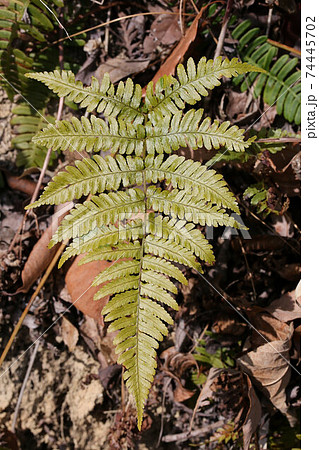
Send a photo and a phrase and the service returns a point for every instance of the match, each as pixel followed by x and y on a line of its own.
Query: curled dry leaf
pixel 70 334
pixel 269 368
pixel 41 256
pixel 39 259
pixel 78 282
pixel 175 365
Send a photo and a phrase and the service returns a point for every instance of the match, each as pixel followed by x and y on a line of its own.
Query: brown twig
pixel 222 34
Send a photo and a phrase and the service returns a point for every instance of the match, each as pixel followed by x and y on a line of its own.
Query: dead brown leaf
pixel 287 307
pixel 78 281
pixel 165 30
pixel 169 66
pixel 266 327
pixel 269 368
pixel 253 416
pixel 39 259
pixel 205 392
pixel 70 334
pixel 41 256
pixel 119 68
pixel 175 364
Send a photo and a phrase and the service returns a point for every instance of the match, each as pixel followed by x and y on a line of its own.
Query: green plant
pixel 281 81
pixel 24 29
pixel 130 225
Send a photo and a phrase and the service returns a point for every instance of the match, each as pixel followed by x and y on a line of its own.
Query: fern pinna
pixel 145 200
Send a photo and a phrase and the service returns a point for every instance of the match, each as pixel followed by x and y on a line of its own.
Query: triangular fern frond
pixel 123 101
pixel 144 205
pixel 171 94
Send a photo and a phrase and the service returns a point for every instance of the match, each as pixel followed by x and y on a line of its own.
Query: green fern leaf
pixel 91 176
pixel 184 206
pixel 92 135
pixel 105 98
pixel 172 132
pixel 191 176
pixel 133 193
pixel 100 210
pixel 280 81
pixel 171 94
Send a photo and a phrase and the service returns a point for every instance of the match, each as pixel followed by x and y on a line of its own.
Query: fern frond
pixel 123 101
pixel 123 226
pixel 191 176
pixel 91 176
pixel 184 206
pixel 173 132
pixel 100 210
pixel 192 83
pixel 92 135
pixel 280 81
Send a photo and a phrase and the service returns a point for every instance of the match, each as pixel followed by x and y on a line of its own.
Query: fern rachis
pixel 145 201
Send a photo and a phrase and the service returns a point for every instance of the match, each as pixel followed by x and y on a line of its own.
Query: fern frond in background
pixel 25 26
pixel 281 81
pixel 144 201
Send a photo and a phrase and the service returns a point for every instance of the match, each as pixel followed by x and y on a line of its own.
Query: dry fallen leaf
pixel 253 416
pixel 38 260
pixel 70 334
pixel 205 393
pixel 169 66
pixel 269 368
pixel 41 256
pixel 119 68
pixel 165 30
pixel 78 281
pixel 287 307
